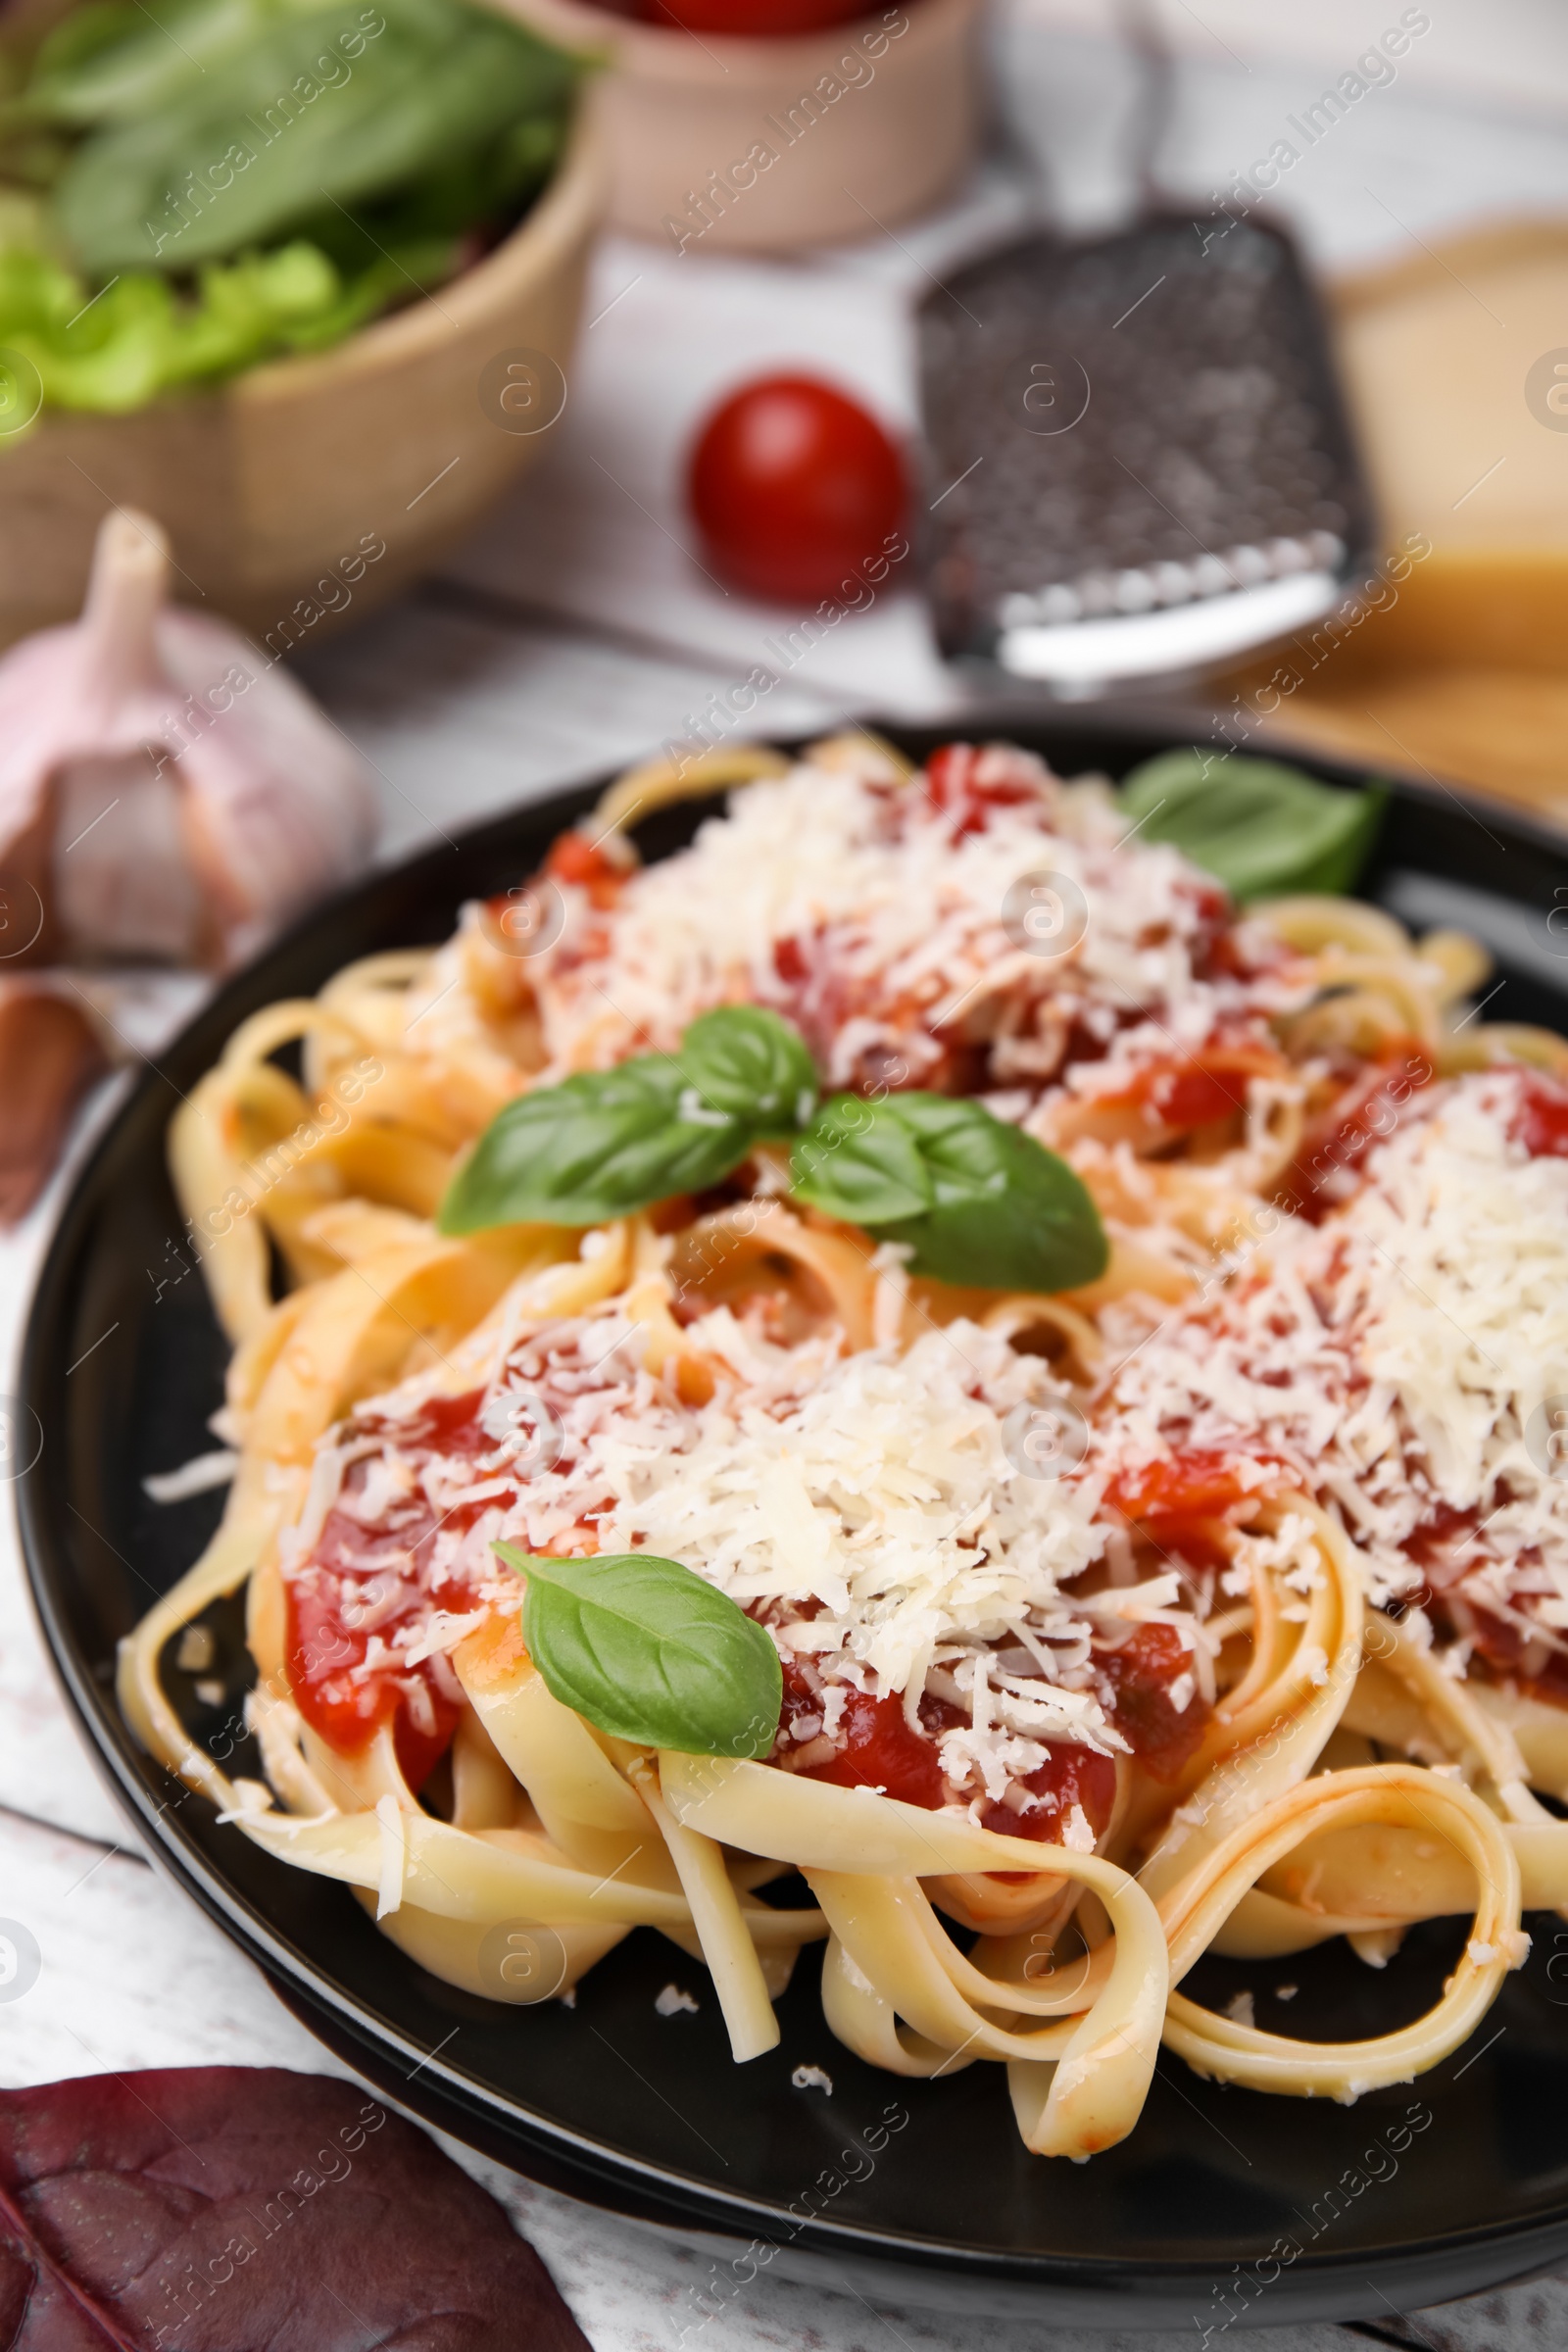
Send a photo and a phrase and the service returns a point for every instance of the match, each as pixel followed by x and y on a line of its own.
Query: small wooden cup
pixel 315 485
pixel 719 143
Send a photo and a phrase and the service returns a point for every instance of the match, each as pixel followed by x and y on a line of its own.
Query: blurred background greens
pixel 249 177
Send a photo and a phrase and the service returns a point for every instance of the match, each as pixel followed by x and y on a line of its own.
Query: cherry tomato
pixel 794 488
pixel 769 20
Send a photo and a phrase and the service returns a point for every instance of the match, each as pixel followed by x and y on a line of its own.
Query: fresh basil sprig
pixel 608 1142
pixel 648 1651
pixel 1261 829
pixel 982 1202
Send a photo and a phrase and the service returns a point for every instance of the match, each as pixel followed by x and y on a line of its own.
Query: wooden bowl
pixel 867 123
pixel 315 486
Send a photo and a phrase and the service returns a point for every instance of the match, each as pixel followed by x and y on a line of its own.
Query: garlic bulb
pixel 166 791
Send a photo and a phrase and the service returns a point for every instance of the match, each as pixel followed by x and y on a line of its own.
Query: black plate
pixel 1223 2206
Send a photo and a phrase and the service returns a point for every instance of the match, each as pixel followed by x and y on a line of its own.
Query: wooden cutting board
pixel 1450 364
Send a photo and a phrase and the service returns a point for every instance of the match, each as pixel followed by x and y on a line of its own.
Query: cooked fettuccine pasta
pixel 1211 1593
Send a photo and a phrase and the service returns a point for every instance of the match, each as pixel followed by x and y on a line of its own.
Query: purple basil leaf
pixel 241 2209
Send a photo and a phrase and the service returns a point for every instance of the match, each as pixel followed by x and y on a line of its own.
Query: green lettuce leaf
pixel 139 337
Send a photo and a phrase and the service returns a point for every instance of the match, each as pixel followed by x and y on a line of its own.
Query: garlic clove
pixel 165 788
pixel 49 1055
pixel 121 873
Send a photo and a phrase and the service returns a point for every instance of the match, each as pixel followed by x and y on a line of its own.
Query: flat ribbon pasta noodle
pixel 1538 1730
pixel 535 1965
pixel 1084 2081
pixel 1378 1880
pixel 1268 1732
pixel 1398 1793
pixel 829 1279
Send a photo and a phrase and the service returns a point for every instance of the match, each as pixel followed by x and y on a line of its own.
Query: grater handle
pixel 1143 35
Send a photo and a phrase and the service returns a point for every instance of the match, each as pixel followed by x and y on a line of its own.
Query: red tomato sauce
pixel 1366 1112
pixel 1141 1672
pixel 1201 1484
pixel 822 991
pixel 574 859
pixel 1070 1776
pixel 876 1746
pixel 1198 1088
pixel 1235 952
pixel 1499 1651
pixel 1541 1121
pixel 954 782
pixel 382 1571
pixel 1183 1506
pixel 1191 1094
pixel 877 1749
pixel 821 997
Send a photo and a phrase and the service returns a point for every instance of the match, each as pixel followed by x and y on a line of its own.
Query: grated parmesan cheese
pixel 197 1476
pixel 895 915
pixel 1391 1361
pixel 875 1491
pixel 814 2078
pixel 863 1507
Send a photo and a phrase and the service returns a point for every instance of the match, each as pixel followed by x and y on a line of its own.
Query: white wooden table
pixel 574 635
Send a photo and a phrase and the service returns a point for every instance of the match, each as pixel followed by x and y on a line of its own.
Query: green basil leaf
pixel 980 1201
pixel 1007 1214
pixel 859 1161
pixel 752 1064
pixel 648 1651
pixel 601 1145
pixel 1261 829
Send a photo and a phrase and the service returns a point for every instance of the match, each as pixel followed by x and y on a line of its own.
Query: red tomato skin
pixel 794 488
pixel 751 19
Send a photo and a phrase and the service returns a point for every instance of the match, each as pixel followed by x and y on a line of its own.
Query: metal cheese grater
pixel 1140 463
